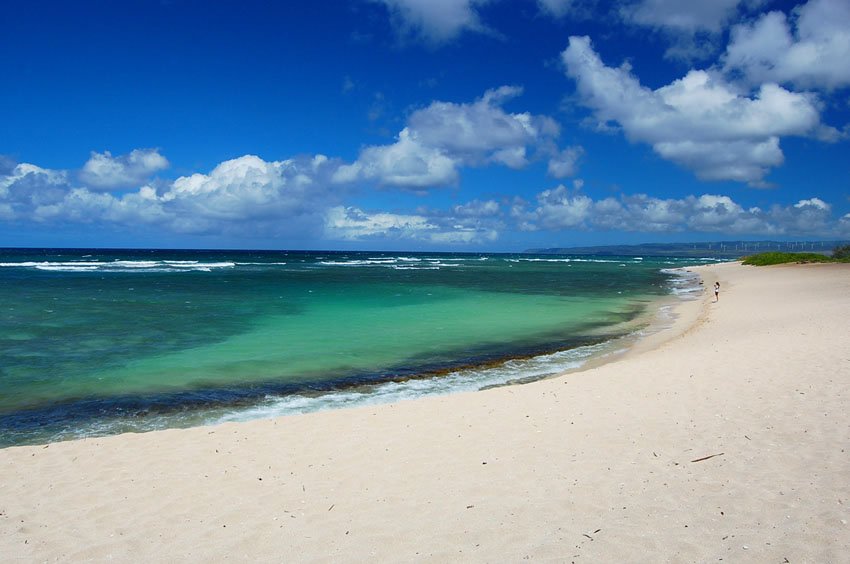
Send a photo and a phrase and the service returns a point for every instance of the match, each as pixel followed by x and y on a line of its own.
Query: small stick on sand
pixel 709 456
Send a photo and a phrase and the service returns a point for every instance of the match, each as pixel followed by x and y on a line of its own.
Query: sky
pixel 444 125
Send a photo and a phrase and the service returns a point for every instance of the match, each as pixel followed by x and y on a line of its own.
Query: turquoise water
pixel 99 342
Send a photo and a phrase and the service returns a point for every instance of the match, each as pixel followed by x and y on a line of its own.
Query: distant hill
pixel 720 249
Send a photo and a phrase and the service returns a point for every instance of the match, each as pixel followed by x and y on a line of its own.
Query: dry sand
pixel 602 465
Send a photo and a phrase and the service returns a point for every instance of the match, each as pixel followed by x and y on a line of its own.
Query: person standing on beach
pixel 717 291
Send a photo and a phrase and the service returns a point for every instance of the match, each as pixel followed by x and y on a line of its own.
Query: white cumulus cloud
pixel 557 8
pixel 249 191
pixel 810 50
pixel 246 195
pixel 243 196
pixel 699 121
pixel 814 203
pixel 27 186
pixel 692 27
pixel 565 163
pixel 479 131
pixel 683 15
pixel 353 224
pixel 444 136
pixel 408 163
pixel 561 208
pixel 434 21
pixel 298 197
pixel 104 172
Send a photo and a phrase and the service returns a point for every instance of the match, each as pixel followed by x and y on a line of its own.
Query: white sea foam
pixel 569 259
pixel 595 260
pixel 397 263
pixel 56 268
pixel 56 264
pixel 120 266
pixel 396 259
pixel 471 379
pixel 685 283
pixel 367 262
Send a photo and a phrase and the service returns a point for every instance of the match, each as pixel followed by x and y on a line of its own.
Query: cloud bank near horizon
pixel 251 196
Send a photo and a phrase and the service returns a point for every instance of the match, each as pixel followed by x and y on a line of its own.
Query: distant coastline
pixel 714 249
pixel 711 249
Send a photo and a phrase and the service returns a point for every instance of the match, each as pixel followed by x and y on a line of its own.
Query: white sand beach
pixel 726 438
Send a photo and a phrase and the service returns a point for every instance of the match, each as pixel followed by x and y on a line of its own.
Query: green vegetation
pixel 841 253
pixel 765 259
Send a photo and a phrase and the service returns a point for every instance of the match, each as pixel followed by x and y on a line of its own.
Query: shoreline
pixel 725 440
pixel 682 315
pixel 601 345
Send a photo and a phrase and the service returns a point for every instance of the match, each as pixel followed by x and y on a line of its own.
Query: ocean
pixel 98 342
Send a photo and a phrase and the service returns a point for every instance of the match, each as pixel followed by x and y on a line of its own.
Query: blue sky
pixel 423 124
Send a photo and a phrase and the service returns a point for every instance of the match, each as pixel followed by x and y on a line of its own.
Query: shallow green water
pixel 90 336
